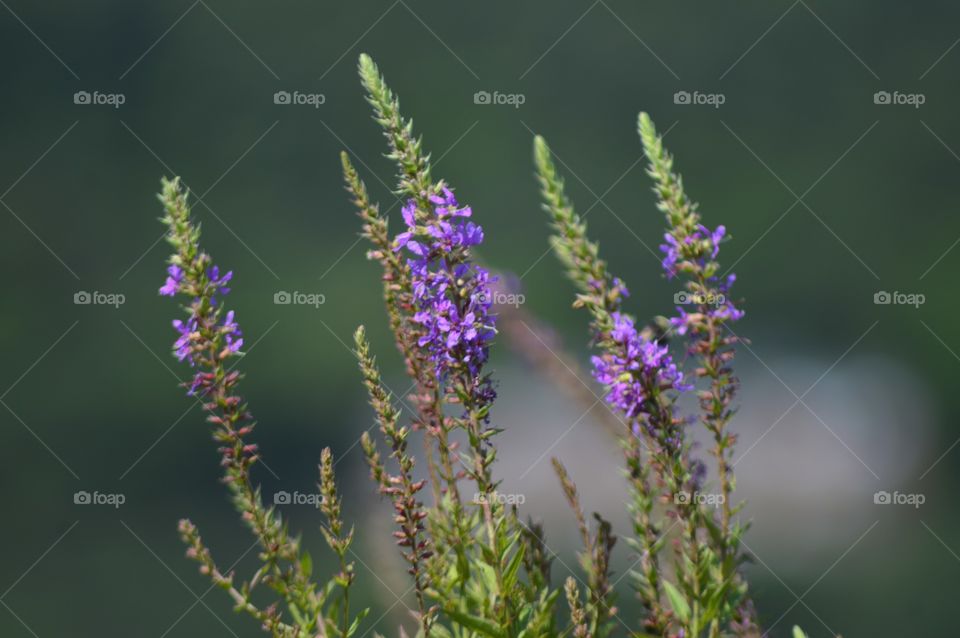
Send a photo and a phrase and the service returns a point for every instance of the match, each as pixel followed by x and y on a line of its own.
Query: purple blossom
pixel 232 333
pixel 183 346
pixel 694 246
pixel 720 308
pixel 174 277
pixel 190 343
pixel 218 282
pixel 671 249
pixel 715 237
pixel 635 367
pixel 452 297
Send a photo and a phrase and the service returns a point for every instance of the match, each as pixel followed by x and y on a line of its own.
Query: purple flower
pixel 635 367
pixel 183 346
pixel 671 249
pixel 195 333
pixel 174 277
pixel 218 282
pixel 232 333
pixel 694 247
pixel 714 236
pixel 452 297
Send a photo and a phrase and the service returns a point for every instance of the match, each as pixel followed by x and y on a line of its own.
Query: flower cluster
pixel 452 296
pixel 718 307
pixel 634 368
pixel 696 245
pixel 695 253
pixel 205 338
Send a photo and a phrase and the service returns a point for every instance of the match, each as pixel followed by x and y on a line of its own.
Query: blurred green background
pixel 829 195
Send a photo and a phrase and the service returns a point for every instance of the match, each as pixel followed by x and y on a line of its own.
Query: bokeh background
pixel 830 197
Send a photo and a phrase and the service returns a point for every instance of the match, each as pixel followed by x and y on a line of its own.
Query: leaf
pixel 306 564
pixel 510 575
pixel 798 633
pixel 356 622
pixel 677 601
pixel 476 624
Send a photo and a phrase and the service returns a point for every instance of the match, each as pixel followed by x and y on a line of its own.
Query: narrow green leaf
pixel 510 575
pixel 480 625
pixel 677 601
pixel 356 622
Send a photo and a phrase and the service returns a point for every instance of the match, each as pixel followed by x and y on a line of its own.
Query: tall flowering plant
pixel 210 341
pixel 477 569
pixel 643 382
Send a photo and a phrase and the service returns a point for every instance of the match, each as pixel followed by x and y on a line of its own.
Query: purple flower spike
pixel 634 367
pixel 452 297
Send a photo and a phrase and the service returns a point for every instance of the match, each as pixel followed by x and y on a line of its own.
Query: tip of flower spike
pixel 644 123
pixel 541 152
pixel 648 135
pixel 369 73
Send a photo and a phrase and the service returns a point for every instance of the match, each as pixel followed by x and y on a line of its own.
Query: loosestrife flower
pixel 174 277
pixel 203 331
pixel 633 367
pixel 452 297
pixel 695 253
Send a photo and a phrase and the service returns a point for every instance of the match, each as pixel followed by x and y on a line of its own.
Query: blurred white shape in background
pixel 808 469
